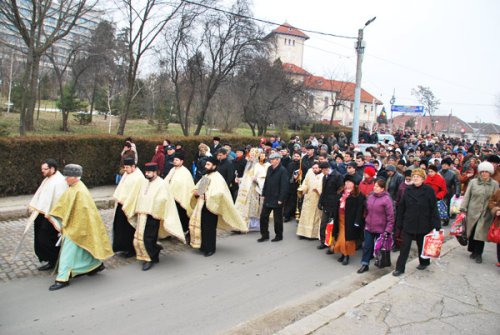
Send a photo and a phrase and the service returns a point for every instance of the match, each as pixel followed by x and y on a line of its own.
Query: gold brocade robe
pixel 127 191
pixel 180 184
pixel 81 221
pixel 310 216
pixel 218 201
pixel 154 199
pixel 248 202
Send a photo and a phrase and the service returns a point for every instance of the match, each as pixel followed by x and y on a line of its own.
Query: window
pixel 311 101
pixel 293 42
pixel 326 102
pixel 365 111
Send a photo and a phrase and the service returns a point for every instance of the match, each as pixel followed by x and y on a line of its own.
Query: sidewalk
pixel 17 206
pixel 452 296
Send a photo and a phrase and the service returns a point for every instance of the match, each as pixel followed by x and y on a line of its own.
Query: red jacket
pixel 438 184
pixel 366 186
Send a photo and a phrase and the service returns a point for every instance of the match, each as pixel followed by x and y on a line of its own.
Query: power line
pixel 264 21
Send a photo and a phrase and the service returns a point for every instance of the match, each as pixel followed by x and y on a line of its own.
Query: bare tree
pixel 27 19
pixel 145 21
pixel 67 87
pixel 227 41
pixel 431 104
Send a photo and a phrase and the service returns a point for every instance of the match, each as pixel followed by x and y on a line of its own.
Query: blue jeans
pixel 368 246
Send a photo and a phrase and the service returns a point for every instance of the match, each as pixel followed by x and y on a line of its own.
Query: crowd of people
pixel 344 196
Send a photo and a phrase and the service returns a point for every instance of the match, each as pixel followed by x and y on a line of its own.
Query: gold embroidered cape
pixel 81 221
pixel 127 191
pixel 218 201
pixel 154 199
pixel 310 217
pixel 181 185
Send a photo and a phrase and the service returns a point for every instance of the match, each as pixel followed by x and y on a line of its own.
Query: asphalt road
pixel 185 293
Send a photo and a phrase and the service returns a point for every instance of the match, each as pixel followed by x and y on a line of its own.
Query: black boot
pixel 346 260
pixel 363 268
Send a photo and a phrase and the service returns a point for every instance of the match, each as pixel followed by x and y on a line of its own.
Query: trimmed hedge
pixel 21 157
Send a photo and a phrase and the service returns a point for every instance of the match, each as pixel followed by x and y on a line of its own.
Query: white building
pixel 327 96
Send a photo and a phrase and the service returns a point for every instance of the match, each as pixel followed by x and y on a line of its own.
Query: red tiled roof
pixel 444 122
pixel 344 88
pixel 287 29
pixel 294 69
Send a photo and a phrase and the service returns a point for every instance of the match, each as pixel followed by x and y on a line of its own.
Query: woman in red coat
pixel 435 181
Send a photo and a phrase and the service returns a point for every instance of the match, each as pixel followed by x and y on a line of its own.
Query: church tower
pixel 287 44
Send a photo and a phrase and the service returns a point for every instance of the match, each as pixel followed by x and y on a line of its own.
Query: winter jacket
pixel 452 182
pixel 366 186
pixel 393 184
pixel 379 213
pixel 438 184
pixel 353 220
pixel 226 169
pixel 475 204
pixel 417 212
pixel 275 186
pixel 328 199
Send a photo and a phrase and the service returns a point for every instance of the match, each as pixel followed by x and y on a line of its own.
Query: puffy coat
pixel 379 213
pixel 438 185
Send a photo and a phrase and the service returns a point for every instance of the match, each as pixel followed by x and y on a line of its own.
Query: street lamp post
pixel 360 49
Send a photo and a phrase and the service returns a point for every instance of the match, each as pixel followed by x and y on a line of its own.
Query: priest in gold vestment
pixel 249 200
pixel 212 207
pixel 126 195
pixel 310 216
pixel 85 242
pixel 155 215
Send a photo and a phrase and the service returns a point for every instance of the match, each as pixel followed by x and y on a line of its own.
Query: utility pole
pixel 9 103
pixel 360 50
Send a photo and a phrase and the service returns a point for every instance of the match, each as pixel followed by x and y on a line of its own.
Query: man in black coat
pixel 169 159
pixel 225 168
pixel 452 184
pixel 274 192
pixel 328 200
pixel 416 216
pixel 293 170
pixel 239 164
pixel 308 159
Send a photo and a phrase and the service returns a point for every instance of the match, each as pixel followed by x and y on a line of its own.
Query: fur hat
pixel 486 166
pixel 419 172
pixel 74 170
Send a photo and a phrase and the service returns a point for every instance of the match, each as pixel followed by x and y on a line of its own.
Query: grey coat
pixel 475 204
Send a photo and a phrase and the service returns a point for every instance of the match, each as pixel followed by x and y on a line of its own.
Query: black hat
pixel 241 149
pixel 213 160
pixel 447 161
pixel 351 178
pixel 493 159
pixel 129 161
pixel 151 167
pixel 309 146
pixel 179 155
pixel 401 162
pixel 324 165
pixel 351 164
pixel 408 173
pixel 170 147
pixel 216 138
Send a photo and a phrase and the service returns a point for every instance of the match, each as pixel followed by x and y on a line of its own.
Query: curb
pixel 19 212
pixel 315 321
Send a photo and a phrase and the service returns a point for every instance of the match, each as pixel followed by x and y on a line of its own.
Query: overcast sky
pixel 451 46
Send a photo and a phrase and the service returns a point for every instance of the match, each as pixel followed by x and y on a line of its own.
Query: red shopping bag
pixel 458 227
pixel 432 244
pixel 494 232
pixel 329 233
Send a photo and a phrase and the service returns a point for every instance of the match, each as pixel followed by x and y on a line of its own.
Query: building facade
pixel 330 100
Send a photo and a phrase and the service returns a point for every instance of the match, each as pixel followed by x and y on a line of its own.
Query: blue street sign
pixel 407 109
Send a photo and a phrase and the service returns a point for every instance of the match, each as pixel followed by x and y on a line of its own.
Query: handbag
pixel 432 244
pixel 458 227
pixel 443 210
pixel 382 251
pixel 494 232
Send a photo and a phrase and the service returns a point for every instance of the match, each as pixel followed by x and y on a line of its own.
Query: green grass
pixel 49 123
